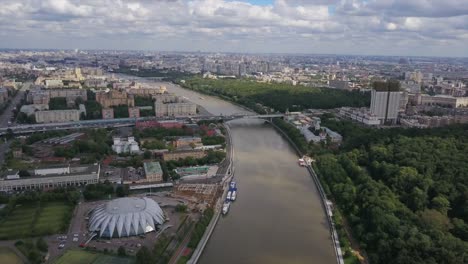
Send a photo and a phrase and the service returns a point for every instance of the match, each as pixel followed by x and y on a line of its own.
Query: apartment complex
pixel 174 109
pixel 114 98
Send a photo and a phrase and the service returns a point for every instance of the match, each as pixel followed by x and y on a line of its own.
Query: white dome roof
pixel 126 217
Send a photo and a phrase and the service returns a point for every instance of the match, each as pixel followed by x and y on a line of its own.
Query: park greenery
pixel 162 133
pixel 35 251
pixel 212 157
pixel 58 103
pixel 213 140
pixel 154 144
pixel 278 96
pixel 403 193
pixel 100 191
pixel 200 228
pixel 92 149
pixel 33 214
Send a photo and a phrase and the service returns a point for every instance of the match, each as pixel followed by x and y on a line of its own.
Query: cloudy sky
pixel 384 27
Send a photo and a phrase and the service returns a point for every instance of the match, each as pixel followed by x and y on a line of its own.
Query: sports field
pixel 7 256
pixel 85 257
pixel 22 221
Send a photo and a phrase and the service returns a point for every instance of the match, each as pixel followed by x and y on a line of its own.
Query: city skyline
pixel 392 28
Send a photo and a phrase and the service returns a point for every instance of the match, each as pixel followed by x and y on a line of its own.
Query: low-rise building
pixel 133 112
pixel 182 154
pixel 183 142
pixel 438 100
pixel 153 172
pixel 361 115
pixel 51 177
pixel 125 145
pixel 57 116
pixel 108 113
pixel 53 83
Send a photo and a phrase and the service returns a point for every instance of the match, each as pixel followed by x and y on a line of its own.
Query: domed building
pixel 125 217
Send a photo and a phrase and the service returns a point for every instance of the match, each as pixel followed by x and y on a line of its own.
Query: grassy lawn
pixel 85 257
pixel 106 259
pixel 77 257
pixel 7 256
pixel 20 222
pixel 50 219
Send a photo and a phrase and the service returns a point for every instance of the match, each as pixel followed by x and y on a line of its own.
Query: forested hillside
pixel 277 96
pixel 404 192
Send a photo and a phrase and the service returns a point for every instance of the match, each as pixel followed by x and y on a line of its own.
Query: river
pixel 277 217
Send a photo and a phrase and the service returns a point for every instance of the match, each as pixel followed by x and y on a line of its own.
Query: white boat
pixel 229 195
pixel 226 207
pixel 233 195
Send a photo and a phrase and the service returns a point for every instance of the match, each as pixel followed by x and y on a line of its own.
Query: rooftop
pixel 152 167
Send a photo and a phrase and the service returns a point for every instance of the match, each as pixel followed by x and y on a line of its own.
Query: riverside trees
pixel 403 192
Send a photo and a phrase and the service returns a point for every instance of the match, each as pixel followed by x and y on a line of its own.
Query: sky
pixel 363 27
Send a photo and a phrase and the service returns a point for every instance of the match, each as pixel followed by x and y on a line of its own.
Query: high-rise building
pixel 385 101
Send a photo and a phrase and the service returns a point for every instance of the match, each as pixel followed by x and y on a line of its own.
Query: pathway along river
pixel 277 217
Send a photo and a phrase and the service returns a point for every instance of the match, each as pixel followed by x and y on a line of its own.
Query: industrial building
pixel 51 177
pixel 126 217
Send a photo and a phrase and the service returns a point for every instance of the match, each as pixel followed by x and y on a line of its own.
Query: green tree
pixel 121 251
pixel 144 256
pixel 41 244
pixel 441 204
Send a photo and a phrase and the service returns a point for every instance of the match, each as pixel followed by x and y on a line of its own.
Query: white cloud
pixel 353 26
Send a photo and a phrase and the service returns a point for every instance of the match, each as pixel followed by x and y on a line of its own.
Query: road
pixel 8 113
pixel 7 116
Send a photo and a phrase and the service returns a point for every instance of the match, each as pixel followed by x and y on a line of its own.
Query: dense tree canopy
pixel 404 192
pixel 277 96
